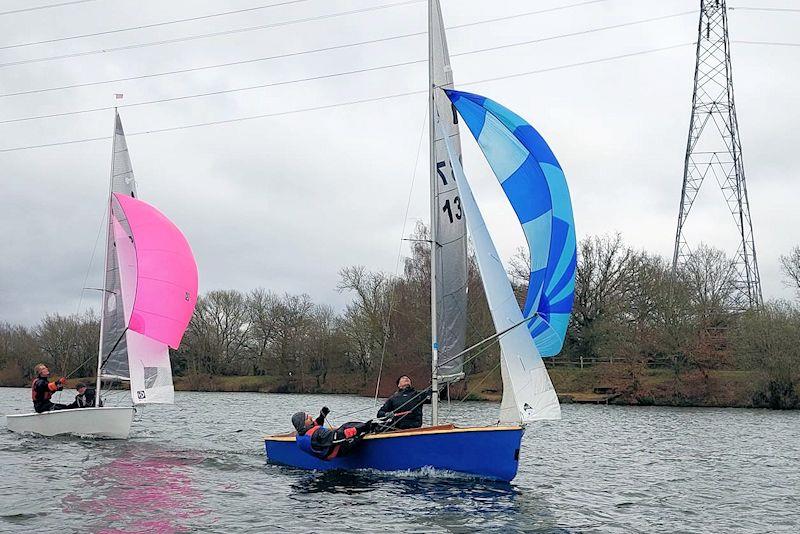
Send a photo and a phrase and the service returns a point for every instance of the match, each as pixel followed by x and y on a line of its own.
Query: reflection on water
pixel 142 489
pixel 199 466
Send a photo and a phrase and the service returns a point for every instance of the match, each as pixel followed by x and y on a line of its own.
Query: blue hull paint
pixel 489 453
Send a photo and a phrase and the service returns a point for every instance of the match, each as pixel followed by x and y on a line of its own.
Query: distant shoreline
pixel 593 385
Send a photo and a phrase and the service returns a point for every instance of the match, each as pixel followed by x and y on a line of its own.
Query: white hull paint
pixel 105 422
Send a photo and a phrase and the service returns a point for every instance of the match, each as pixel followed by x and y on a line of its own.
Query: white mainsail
pixel 450 230
pixel 528 393
pixel 113 345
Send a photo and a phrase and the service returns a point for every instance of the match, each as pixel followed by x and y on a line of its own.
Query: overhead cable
pixel 770 9
pixel 153 25
pixel 245 10
pixel 350 103
pixel 324 49
pixel 766 43
pixel 48 6
pixel 346 73
pixel 208 35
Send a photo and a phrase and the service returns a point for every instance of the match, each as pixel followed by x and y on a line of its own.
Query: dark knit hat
pixel 299 421
pixel 80 385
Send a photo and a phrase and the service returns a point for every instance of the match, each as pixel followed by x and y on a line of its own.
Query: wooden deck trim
pixel 448 429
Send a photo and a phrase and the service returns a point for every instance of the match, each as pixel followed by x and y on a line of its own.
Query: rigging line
pixel 153 25
pixel 48 6
pixel 493 337
pixel 400 252
pixel 208 35
pixel 327 76
pixel 84 288
pixel 329 48
pixel 341 104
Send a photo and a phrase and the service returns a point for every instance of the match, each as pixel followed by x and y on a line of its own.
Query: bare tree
pixel 217 336
pixel 790 265
pixel 261 305
pixel 709 275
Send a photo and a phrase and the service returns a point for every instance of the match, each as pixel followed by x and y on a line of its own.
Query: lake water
pixel 199 466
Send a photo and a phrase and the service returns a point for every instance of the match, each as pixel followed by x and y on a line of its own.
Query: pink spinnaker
pixel 166 274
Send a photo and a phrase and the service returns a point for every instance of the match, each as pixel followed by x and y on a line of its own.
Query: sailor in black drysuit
pixel 327 443
pixel 85 397
pixel 404 408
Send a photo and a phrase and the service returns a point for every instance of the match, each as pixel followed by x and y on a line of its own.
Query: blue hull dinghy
pixel 486 452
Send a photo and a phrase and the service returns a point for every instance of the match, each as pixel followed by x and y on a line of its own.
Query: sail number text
pixel 455 210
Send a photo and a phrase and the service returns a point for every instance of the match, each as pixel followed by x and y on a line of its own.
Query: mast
pixel 105 262
pixel 434 214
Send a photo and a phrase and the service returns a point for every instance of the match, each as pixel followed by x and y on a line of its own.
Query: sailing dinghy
pixel 149 294
pixel 535 185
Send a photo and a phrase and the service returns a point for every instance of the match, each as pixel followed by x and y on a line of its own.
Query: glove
pixel 61 381
pixel 325 411
pixel 389 415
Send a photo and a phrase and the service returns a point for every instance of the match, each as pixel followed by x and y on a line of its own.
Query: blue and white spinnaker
pixel 537 189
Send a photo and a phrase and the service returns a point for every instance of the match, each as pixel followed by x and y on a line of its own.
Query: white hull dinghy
pixel 104 422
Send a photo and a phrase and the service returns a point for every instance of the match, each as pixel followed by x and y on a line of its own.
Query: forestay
pixel 158 280
pixel 451 258
pixel 537 189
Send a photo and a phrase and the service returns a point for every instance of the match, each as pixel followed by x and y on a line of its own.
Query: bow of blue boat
pixel 486 452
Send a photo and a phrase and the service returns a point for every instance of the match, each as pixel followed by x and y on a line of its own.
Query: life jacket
pixel 305 445
pixel 45 396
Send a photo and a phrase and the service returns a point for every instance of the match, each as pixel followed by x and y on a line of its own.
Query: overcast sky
pixel 284 202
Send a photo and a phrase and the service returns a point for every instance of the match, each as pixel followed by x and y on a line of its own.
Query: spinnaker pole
pixel 434 214
pixel 98 391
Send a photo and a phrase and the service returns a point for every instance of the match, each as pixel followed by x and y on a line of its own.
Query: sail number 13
pixel 454 210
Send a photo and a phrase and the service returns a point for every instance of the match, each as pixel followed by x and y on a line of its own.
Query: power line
pixel 250 9
pixel 769 9
pixel 350 103
pixel 208 35
pixel 49 6
pixel 218 65
pixel 214 93
pixel 767 43
pixel 293 54
pixel 346 73
pixel 153 25
pixel 583 32
pixel 268 26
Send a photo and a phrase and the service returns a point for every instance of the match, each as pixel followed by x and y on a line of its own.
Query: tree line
pixel 632 314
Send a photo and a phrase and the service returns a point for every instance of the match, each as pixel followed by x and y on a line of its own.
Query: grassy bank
pixel 659 387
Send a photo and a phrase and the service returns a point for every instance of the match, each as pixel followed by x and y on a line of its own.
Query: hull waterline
pixel 486 452
pixel 104 422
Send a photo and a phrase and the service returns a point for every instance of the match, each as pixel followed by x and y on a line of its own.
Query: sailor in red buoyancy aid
pixel 42 389
pixel 326 443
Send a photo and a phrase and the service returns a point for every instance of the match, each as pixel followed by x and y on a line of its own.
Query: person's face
pixel 82 390
pixel 44 372
pixel 309 420
pixel 404 382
